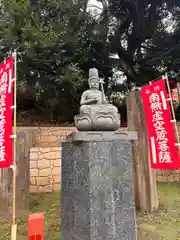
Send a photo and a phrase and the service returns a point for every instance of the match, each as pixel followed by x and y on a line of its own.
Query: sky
pixel 95 3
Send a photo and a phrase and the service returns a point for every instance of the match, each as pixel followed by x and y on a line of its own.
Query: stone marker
pixel 97 187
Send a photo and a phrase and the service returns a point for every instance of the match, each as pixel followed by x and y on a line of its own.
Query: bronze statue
pixel 96 114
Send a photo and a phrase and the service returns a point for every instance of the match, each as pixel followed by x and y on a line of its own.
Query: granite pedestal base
pixel 97 187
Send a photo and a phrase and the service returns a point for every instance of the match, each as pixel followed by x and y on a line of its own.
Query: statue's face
pixel 94 83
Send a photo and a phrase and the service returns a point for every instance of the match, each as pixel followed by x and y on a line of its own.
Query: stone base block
pixel 97 200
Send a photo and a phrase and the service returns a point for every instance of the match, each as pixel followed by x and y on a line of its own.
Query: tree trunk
pixel 128 70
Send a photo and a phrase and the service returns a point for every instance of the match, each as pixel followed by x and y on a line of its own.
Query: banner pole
pixel 172 108
pixel 14 227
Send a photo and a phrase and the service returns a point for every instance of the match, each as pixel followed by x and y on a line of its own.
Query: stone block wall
pixel 45 158
pixel 45 169
pixel 52 136
pixel 168 175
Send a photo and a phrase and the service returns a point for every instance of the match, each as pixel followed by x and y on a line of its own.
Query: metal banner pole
pixel 172 109
pixel 14 226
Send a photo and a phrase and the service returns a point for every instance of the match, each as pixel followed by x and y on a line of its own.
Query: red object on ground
pixel 36 226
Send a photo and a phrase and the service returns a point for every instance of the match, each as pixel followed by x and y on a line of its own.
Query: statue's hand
pixel 95 99
pixel 89 101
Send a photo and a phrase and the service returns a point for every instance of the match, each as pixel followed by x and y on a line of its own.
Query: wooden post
pixel 145 186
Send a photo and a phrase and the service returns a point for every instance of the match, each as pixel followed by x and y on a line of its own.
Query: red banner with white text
pixel 161 134
pixel 6 112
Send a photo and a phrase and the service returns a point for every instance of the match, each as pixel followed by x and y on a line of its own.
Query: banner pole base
pixel 14 232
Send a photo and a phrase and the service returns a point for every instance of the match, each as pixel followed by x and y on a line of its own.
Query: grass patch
pixel 47 203
pixel 163 224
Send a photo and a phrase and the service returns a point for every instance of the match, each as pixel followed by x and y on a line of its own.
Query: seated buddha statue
pixel 95 111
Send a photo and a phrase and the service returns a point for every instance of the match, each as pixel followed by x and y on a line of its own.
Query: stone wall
pixel 45 169
pixel 168 175
pixel 45 160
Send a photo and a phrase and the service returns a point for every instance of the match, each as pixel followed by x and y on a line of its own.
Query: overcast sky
pixel 95 3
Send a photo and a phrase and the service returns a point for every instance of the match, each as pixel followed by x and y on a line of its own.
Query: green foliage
pixel 58 41
pixel 164 222
pixel 142 38
pixel 43 32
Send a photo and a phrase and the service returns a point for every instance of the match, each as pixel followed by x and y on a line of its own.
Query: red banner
pixel 6 112
pixel 161 134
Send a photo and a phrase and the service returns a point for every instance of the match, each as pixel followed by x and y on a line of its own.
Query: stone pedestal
pixel 97 187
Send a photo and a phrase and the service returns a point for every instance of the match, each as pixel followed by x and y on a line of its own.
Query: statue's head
pixel 93 78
